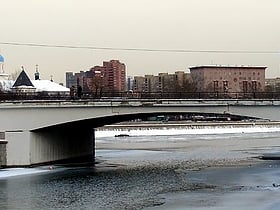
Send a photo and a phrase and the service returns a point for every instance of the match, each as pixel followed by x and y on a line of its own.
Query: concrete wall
pixel 18 148
pixel 55 145
pixel 3 155
pixel 26 148
pixel 3 150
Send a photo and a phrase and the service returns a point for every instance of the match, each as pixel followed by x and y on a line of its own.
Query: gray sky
pixel 245 25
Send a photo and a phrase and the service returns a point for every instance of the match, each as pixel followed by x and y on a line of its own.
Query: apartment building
pixel 163 82
pixel 111 77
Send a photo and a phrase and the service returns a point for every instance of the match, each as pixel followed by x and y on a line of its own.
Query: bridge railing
pixel 185 95
pixel 138 95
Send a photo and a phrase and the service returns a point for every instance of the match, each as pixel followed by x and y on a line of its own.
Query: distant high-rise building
pixel 139 83
pixel 129 85
pixel 114 76
pixel 71 80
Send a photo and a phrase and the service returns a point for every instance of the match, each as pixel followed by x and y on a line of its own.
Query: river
pixel 210 168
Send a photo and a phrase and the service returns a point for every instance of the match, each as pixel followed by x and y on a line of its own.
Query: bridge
pixel 38 132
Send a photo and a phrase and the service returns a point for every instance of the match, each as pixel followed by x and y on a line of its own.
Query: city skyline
pixel 196 27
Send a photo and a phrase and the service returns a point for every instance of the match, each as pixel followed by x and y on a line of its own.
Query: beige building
pixel 163 82
pixel 272 84
pixel 138 84
pixel 228 78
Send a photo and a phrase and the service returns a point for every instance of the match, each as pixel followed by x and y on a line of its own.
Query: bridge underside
pixel 101 121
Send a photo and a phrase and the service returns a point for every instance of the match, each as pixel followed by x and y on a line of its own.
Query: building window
pixel 254 86
pixel 225 86
pixel 245 86
pixel 216 85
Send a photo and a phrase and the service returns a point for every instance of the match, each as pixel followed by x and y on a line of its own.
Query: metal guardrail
pixel 138 95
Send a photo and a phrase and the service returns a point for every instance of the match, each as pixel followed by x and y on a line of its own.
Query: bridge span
pixel 37 132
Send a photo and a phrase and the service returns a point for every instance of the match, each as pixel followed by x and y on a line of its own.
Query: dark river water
pixel 88 189
pixel 176 176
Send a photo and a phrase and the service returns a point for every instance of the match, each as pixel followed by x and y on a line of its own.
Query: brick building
pixel 114 73
pixel 228 78
pixel 111 77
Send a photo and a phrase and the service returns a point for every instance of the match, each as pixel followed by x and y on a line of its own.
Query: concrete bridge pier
pixel 25 148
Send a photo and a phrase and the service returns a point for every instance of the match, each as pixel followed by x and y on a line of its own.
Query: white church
pixel 24 84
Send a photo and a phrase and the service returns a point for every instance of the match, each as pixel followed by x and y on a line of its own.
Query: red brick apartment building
pixel 111 77
pixel 114 76
pixel 228 78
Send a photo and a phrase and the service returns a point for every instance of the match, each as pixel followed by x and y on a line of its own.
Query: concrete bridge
pixel 37 132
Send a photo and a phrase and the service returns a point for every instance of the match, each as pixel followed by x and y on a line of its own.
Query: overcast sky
pixel 222 25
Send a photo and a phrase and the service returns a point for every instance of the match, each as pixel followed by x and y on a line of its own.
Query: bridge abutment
pixel 18 148
pixel 25 148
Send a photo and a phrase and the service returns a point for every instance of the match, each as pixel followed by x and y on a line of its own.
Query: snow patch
pixel 12 172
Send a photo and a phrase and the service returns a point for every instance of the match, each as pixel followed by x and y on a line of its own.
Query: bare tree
pixel 96 85
pixel 15 74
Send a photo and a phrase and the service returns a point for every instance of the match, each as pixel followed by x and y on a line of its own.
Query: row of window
pixel 245 85
pixel 235 79
pixel 231 73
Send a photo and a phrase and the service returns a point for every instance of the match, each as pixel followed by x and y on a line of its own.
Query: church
pixel 23 83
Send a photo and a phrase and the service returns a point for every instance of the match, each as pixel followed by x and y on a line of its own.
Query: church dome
pixel 1 58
